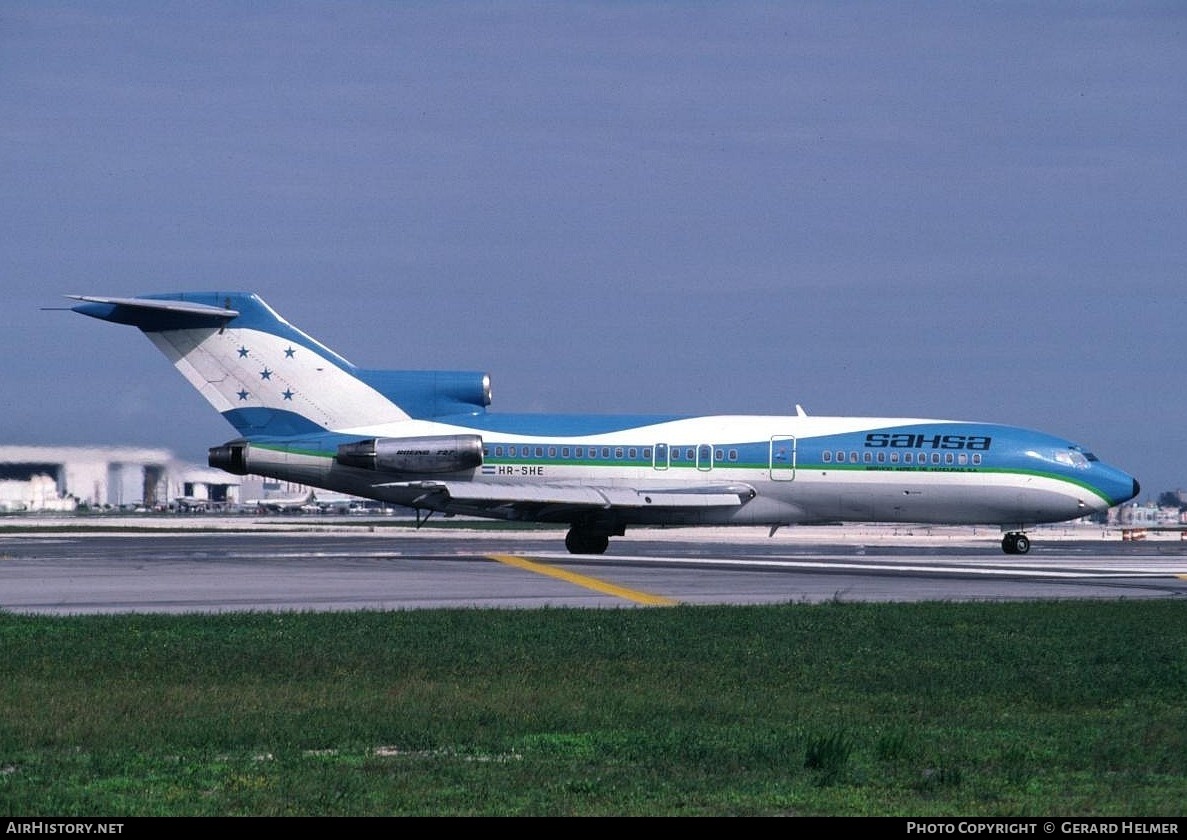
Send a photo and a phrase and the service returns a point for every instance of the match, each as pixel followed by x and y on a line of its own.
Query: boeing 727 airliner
pixel 425 440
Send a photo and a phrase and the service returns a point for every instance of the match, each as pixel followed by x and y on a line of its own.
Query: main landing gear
pixel 584 541
pixel 1015 542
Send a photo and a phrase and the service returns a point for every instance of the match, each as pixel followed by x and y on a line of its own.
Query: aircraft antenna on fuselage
pixel 799 411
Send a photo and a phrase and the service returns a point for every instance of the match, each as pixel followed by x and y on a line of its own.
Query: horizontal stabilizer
pixel 150 313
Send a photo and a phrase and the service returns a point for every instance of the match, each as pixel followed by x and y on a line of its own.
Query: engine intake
pixel 418 455
pixel 231 457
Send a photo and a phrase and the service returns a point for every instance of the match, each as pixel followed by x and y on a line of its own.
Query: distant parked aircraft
pixel 306 502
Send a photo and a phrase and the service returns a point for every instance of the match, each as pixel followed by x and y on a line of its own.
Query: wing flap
pixel 587 496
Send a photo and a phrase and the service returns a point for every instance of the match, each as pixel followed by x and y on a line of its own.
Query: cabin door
pixel 782 462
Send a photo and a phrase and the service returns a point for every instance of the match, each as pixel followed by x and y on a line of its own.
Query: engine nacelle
pixel 231 457
pixel 417 455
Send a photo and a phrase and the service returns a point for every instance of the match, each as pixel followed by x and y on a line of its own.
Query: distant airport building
pixel 66 478
pixel 1149 514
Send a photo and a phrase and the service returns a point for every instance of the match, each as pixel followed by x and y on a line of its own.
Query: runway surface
pixel 304 566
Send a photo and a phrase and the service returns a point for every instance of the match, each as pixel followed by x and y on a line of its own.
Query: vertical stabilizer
pixel 264 375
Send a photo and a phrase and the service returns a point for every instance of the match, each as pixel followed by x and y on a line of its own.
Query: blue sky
pixel 955 210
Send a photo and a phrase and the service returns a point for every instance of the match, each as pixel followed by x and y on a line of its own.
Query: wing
pixel 554 501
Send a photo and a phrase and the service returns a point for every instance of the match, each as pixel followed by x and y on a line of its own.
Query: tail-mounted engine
pixel 231 457
pixel 418 455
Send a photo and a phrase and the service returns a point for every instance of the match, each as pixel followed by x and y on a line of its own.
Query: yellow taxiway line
pixel 582 580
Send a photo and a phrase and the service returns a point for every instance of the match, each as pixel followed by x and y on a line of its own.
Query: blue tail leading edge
pixel 425 440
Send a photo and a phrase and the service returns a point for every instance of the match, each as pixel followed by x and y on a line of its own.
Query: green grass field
pixel 1018 709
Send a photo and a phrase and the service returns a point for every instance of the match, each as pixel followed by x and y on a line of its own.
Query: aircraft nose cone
pixel 1137 488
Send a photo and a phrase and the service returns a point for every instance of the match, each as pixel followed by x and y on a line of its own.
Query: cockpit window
pixel 1073 458
pixel 1070 457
